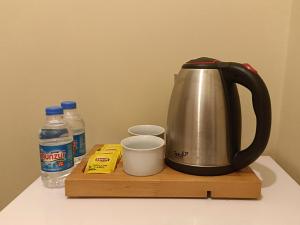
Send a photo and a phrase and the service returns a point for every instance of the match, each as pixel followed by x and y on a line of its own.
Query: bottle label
pixel 56 158
pixel 79 144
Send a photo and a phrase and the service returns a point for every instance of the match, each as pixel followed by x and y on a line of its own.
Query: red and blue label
pixel 79 144
pixel 56 158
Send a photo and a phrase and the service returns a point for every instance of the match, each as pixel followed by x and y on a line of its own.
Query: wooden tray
pixel 167 184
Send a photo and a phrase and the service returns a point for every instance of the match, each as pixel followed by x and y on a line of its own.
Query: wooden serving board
pixel 167 184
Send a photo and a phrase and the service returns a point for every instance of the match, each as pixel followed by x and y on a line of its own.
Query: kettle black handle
pixel 246 75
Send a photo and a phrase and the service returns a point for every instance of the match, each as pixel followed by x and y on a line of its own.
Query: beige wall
pixel 117 59
pixel 287 147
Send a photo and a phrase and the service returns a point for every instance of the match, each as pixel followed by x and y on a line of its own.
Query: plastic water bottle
pixel 56 148
pixel 76 123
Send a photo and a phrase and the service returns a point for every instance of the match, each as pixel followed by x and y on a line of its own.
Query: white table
pixel 280 204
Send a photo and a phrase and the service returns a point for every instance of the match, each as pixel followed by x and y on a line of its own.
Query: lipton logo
pixel 52 156
pixel 181 154
pixel 101 159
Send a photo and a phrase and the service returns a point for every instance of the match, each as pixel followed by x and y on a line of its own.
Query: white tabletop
pixel 280 204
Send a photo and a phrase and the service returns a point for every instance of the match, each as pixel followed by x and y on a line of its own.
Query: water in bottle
pixel 56 148
pixel 76 123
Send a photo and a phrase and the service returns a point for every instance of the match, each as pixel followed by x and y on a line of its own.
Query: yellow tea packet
pixel 105 159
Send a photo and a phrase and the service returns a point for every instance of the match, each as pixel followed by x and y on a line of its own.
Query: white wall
pixel 287 146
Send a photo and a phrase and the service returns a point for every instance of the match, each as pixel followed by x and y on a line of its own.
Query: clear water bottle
pixel 56 148
pixel 76 123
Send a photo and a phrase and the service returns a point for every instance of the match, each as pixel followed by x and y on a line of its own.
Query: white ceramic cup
pixel 143 155
pixel 147 130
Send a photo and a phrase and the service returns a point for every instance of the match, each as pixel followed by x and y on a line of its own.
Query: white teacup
pixel 147 130
pixel 143 155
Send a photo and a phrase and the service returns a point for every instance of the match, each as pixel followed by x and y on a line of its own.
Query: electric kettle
pixel 204 119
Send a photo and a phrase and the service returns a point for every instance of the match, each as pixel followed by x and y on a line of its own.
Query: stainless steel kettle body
pixel 204 118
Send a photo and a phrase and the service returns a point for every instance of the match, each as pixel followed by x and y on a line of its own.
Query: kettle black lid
pixel 202 63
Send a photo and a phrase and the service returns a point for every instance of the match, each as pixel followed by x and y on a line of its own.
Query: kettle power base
pixel 169 183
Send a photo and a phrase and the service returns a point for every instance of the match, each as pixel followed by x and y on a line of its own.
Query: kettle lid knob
pixel 201 63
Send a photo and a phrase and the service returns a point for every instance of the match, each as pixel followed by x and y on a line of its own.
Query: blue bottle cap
pixel 68 105
pixel 54 110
